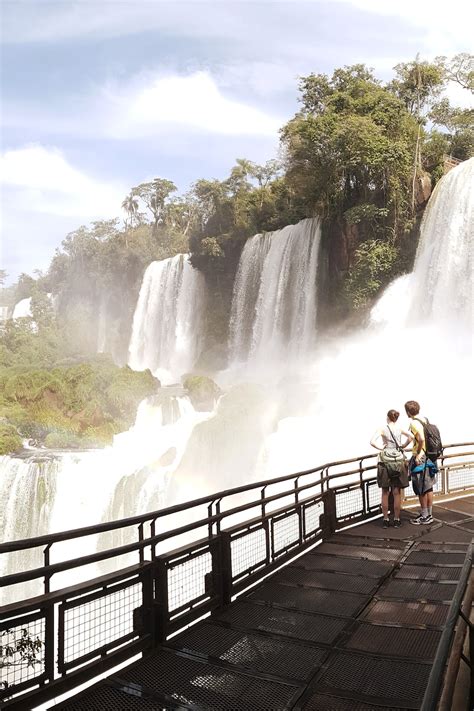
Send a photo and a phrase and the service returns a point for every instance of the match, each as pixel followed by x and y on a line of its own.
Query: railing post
pixel 329 515
pixel 49 642
pixel 225 568
pixel 161 604
pixel 47 576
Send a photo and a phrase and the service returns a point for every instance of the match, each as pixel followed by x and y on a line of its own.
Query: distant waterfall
pixel 167 325
pixel 27 495
pixel 443 289
pixel 274 302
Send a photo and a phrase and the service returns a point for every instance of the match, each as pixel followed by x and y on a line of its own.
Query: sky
pixel 100 95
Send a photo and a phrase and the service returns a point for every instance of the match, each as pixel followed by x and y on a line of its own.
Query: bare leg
pixel 396 502
pixel 385 503
pixel 429 498
pixel 423 500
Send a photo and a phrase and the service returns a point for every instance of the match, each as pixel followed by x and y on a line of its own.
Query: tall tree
pixel 418 84
pixel 130 205
pixel 154 194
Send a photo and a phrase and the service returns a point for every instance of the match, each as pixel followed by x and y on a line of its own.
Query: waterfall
pixel 443 274
pixel 167 325
pixel 273 313
pixel 22 309
pixel 27 494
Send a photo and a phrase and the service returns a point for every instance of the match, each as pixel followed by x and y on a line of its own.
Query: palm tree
pixel 130 205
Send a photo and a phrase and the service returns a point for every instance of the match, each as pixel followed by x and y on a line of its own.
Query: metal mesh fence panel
pixel 373 495
pixel 349 503
pixel 285 533
pixel 22 652
pixel 186 580
pixel 248 551
pixel 99 622
pixel 461 478
pixel 312 515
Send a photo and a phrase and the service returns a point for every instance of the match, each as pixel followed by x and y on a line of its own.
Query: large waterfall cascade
pixel 327 412
pixel 273 314
pixel 167 325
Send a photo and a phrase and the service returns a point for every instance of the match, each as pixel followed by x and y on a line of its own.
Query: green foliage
pixel 202 391
pixel 10 440
pixel 82 405
pixel 372 269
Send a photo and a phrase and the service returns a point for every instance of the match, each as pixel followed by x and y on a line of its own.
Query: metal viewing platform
pixel 257 598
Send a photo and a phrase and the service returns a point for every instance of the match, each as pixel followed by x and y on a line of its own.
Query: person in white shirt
pixel 388 440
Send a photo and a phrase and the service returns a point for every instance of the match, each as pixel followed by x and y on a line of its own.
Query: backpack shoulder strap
pixel 394 440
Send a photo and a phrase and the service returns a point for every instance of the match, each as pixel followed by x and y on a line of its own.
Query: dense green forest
pixel 361 154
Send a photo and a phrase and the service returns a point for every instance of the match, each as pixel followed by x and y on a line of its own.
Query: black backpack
pixel 433 443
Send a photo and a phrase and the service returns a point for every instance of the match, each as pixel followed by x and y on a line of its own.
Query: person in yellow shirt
pixel 423 471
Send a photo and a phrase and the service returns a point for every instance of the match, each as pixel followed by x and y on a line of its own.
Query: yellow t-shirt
pixel 417 428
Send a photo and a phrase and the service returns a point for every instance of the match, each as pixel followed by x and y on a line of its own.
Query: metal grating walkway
pixel 352 625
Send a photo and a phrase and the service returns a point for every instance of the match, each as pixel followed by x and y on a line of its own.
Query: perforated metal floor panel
pixel 402 613
pixel 329 602
pixel 327 702
pixel 447 534
pixel 416 590
pixel 320 561
pixel 390 681
pixel 394 641
pixel 288 623
pixel 348 538
pixel 425 572
pixel 425 557
pixel 328 581
pixel 105 697
pixel 266 655
pixel 191 682
pixel 366 552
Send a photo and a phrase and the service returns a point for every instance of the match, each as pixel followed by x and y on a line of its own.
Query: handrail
pixel 435 680
pixel 50 538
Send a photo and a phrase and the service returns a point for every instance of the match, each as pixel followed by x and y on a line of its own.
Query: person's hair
pixel 412 408
pixel 393 415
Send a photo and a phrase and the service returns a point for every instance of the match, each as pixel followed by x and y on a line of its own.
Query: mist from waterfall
pixel 273 315
pixel 167 325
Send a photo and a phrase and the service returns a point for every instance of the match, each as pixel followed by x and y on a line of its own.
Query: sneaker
pixel 385 523
pixel 397 523
pixel 422 520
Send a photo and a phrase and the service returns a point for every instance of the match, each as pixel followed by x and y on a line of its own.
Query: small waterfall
pixel 443 274
pixel 167 325
pixel 22 309
pixel 102 328
pixel 27 494
pixel 274 302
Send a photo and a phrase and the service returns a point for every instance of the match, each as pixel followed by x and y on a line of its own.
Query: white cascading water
pixel 443 275
pixel 167 325
pixel 273 314
pixel 22 309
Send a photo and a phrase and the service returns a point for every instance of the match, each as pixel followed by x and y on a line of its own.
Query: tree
pixel 3 277
pixel 130 205
pixel 459 69
pixel 154 194
pixel 19 651
pixel 418 84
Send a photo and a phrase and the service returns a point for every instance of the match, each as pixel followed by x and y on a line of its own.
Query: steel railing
pixel 190 559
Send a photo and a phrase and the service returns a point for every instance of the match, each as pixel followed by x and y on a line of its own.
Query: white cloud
pixel 193 103
pixel 40 179
pixel 446 26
